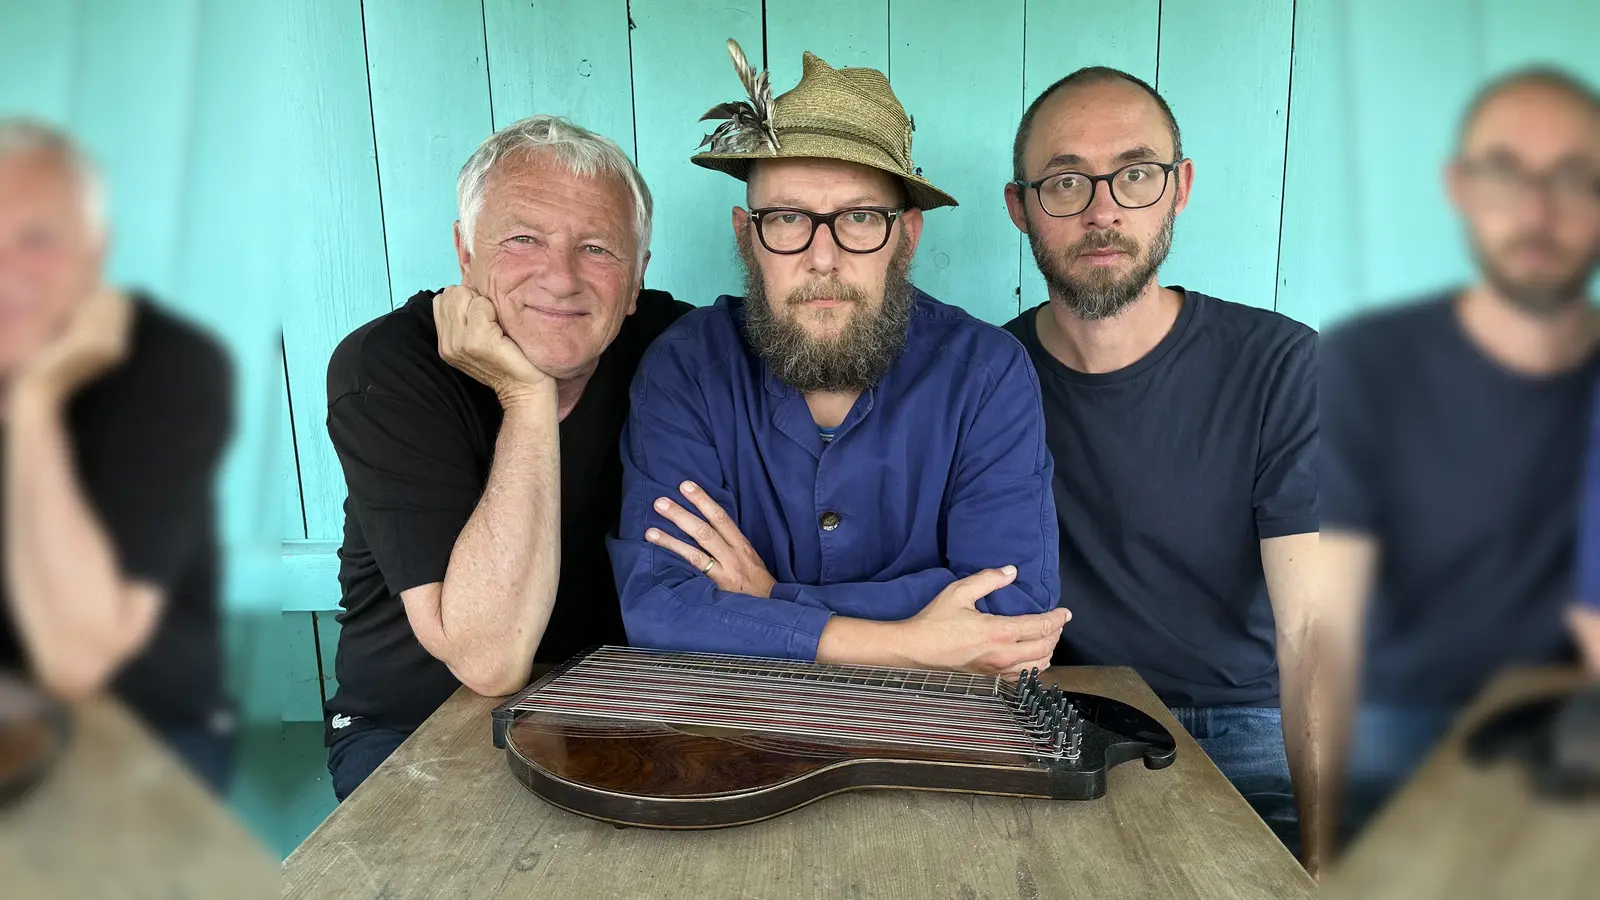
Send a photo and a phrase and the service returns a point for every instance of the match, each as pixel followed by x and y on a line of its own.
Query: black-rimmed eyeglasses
pixel 859 229
pixel 1133 186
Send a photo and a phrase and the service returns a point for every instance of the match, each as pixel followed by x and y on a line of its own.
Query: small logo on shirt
pixel 342 721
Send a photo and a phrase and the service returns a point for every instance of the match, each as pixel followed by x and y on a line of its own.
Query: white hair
pixel 580 150
pixel 21 136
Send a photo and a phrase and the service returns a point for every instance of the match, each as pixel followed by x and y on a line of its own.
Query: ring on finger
pixel 707 569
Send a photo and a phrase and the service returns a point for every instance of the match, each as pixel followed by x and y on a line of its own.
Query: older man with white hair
pixel 113 418
pixel 478 428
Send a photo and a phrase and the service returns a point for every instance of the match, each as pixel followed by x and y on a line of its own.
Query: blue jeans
pixel 1387 744
pixel 352 758
pixel 1246 743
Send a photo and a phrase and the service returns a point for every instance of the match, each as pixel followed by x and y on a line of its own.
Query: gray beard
pixel 854 361
pixel 1093 299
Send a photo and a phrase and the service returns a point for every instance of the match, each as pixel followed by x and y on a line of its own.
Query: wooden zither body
pixel 699 740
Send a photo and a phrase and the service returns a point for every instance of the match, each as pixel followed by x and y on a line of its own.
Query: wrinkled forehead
pixel 821 185
pixel 536 183
pixel 1537 126
pixel 1097 126
pixel 41 183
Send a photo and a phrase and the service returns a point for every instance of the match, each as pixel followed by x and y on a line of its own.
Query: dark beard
pixel 1540 299
pixel 855 360
pixel 1096 298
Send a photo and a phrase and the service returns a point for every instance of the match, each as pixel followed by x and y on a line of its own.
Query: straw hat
pixel 849 114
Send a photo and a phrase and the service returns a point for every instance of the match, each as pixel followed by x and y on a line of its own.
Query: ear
pixel 911 227
pixel 1017 206
pixel 633 305
pixel 741 220
pixel 463 252
pixel 1455 183
pixel 1184 175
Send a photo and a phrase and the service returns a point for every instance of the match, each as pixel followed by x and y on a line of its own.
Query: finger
pixel 692 555
pixel 969 590
pixel 1036 626
pixel 692 525
pixel 714 514
pixel 1024 655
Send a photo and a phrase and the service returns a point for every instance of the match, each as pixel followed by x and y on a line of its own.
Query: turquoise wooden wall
pixel 174 99
pixel 297 158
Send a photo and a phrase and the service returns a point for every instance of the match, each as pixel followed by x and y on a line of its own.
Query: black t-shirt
pixel 147 438
pixel 1468 476
pixel 1168 475
pixel 416 438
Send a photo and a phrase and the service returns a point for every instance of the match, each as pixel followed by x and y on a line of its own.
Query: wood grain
pixel 1457 831
pixel 444 817
pixel 120 817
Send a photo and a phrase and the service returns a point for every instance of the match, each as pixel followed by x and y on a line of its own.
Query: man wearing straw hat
pixel 836 466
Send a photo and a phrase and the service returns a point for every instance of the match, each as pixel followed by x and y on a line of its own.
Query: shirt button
pixel 829 520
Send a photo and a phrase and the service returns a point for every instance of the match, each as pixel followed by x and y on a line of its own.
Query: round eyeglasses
pixel 859 229
pixel 1133 186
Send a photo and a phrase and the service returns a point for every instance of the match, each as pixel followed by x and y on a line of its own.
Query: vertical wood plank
pixel 38 52
pixel 1319 266
pixel 1405 106
pixel 337 257
pixel 965 123
pixel 562 57
pixel 1565 33
pixel 843 32
pixel 327 647
pixel 430 110
pixel 131 106
pixel 1224 69
pixel 303 700
pixel 231 254
pixel 1063 36
pixel 680 70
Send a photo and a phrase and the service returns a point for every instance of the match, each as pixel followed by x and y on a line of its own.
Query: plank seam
pixel 316 647
pixel 633 95
pixel 294 440
pixel 488 74
pixel 377 167
pixel 1283 187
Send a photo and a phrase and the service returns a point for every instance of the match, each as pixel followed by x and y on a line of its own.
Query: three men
pixel 113 419
pixel 864 468
pixel 1454 439
pixel 478 431
pixel 1184 433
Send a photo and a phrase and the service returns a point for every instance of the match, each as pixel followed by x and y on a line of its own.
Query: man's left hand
pixel 723 554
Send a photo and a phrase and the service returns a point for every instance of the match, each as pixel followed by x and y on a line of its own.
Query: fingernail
pixel 688 487
pixel 661 504
pixel 652 534
pixel 1009 570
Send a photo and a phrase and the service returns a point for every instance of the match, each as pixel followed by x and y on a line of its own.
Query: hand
pixel 95 340
pixel 471 340
pixel 950 633
pixel 1585 623
pixel 733 564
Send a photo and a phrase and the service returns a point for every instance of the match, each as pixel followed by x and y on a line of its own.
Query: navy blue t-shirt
pixel 1168 475
pixel 1467 475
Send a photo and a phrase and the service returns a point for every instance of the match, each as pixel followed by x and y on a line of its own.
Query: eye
pixel 524 239
pixel 860 218
pixel 596 250
pixel 1069 182
pixel 1135 175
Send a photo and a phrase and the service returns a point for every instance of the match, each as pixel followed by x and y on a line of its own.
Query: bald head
pixel 1115 85
pixel 1539 91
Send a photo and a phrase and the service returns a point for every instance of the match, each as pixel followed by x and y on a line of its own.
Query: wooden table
pixel 120 816
pixel 1458 831
pixel 443 817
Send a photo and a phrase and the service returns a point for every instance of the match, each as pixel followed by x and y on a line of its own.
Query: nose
pixel 1102 211
pixel 560 274
pixel 822 257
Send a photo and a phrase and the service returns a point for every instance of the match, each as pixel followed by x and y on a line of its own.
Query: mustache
pixel 1104 240
pixel 825 289
pixel 1533 241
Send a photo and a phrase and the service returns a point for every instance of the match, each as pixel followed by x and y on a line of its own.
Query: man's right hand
pixel 950 633
pixel 471 340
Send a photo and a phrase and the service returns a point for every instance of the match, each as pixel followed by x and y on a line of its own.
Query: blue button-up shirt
pixel 938 471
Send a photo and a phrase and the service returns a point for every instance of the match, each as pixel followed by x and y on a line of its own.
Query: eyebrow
pixel 1141 153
